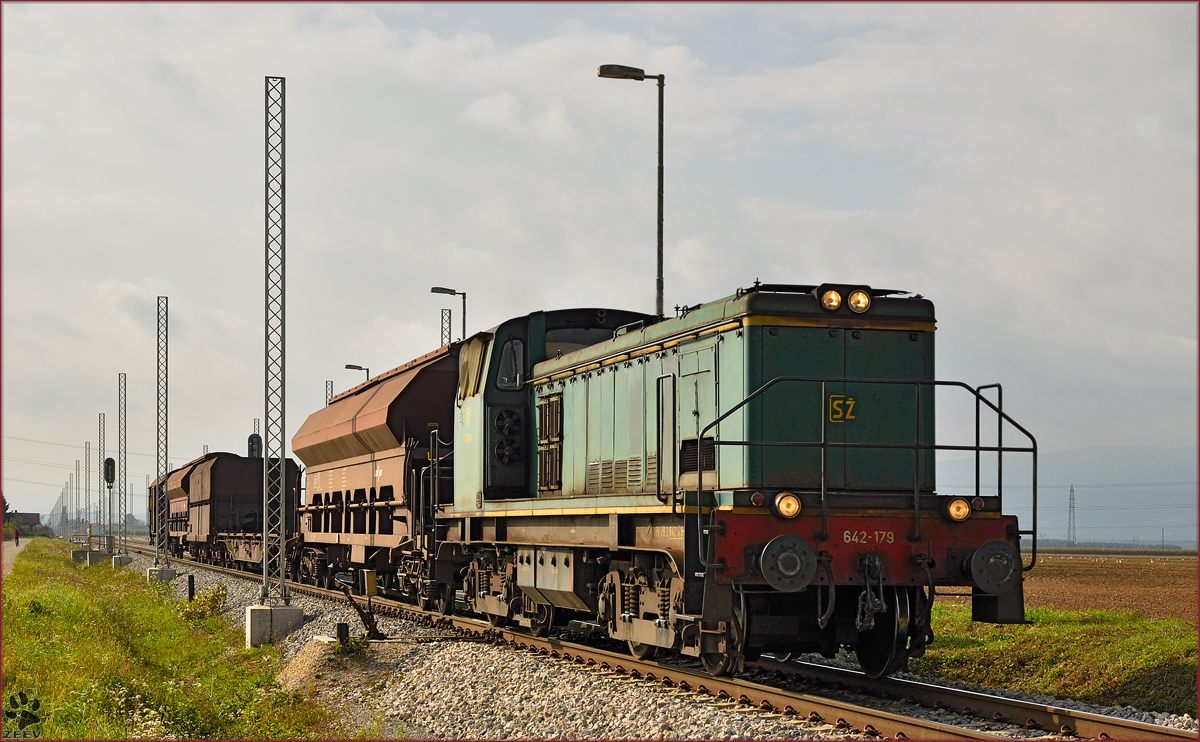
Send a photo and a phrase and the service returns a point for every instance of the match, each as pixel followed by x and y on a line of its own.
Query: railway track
pixel 766 690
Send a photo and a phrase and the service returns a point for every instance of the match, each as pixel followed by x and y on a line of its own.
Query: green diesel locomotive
pixel 756 474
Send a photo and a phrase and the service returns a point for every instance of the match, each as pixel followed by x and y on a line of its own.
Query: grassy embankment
pixel 27 531
pixel 112 656
pixel 1092 656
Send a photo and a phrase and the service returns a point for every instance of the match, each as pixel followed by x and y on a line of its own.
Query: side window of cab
pixel 511 371
pixel 470 361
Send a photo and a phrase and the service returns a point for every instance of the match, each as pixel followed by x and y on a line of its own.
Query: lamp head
pixel 352 367
pixel 441 290
pixel 620 72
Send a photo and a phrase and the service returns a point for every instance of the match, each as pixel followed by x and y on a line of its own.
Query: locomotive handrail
pixel 916 447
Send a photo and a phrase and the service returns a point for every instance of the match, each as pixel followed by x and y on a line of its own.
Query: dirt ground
pixel 1155 586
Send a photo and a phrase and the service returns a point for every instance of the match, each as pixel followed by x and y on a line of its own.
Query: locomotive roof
pixel 790 304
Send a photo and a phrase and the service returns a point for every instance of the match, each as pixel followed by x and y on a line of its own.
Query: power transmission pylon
pixel 1071 519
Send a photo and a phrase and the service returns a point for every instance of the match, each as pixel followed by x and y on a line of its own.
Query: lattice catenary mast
pixel 105 505
pixel 122 452
pixel 160 495
pixel 274 460
pixel 87 482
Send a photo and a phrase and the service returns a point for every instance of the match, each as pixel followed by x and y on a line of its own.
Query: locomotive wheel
pixel 718 663
pixel 642 651
pixel 497 621
pixel 715 663
pixel 882 650
pixel 541 621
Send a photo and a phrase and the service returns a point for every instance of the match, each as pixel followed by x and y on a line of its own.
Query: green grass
pixel 109 655
pixel 1097 657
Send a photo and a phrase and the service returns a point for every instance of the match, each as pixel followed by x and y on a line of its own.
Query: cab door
pixel 697 409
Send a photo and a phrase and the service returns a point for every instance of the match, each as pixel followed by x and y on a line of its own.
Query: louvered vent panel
pixel 689 451
pixel 620 474
pixel 652 472
pixel 550 468
pixel 634 474
pixel 606 476
pixel 593 477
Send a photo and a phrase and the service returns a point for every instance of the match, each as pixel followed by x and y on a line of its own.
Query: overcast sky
pixel 1032 169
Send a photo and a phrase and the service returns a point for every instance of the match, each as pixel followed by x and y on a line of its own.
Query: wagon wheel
pixel 541 620
pixel 883 649
pixel 308 569
pixel 642 651
pixel 443 600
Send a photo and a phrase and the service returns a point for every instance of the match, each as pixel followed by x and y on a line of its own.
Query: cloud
pixel 1030 168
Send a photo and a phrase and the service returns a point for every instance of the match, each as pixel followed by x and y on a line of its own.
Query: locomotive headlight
pixel 859 302
pixel 958 509
pixel 787 505
pixel 831 300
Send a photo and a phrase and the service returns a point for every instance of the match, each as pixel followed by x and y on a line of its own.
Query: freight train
pixel 755 475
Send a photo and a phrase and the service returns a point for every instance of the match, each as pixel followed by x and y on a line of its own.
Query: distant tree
pixel 8 514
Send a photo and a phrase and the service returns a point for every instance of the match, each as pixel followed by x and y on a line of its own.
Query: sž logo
pixel 841 408
pixel 22 717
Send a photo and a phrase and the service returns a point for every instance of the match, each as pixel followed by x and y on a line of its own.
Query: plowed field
pixel 1154 586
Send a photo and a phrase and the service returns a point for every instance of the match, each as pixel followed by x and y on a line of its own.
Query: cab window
pixel 470 360
pixel 512 365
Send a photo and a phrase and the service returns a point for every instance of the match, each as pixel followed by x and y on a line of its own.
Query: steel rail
pixel 749 692
pixel 1068 722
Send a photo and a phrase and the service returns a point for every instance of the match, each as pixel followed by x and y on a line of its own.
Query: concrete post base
pixel 96 557
pixel 267 623
pixel 121 560
pixel 162 574
pixel 79 556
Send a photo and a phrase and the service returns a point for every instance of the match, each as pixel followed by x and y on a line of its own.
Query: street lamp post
pixel 452 292
pixel 621 72
pixel 352 367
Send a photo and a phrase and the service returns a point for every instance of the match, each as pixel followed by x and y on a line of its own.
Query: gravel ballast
pixel 473 690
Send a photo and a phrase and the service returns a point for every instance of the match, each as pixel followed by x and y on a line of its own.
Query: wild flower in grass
pixel 150 723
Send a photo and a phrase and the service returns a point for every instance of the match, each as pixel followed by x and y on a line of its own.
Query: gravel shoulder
pixel 472 690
